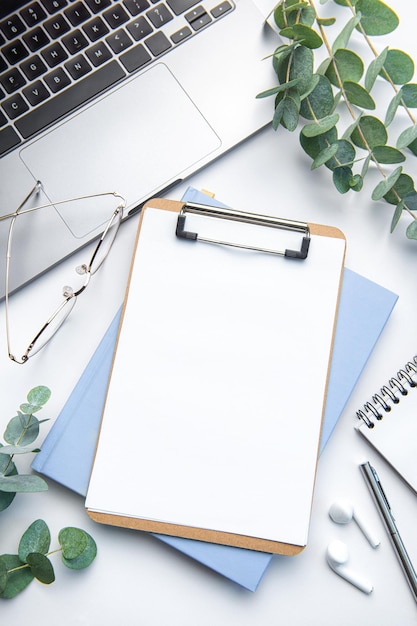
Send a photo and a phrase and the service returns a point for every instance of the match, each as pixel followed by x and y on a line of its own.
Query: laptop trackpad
pixel 132 141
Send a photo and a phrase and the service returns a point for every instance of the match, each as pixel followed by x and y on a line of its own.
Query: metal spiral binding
pixel 389 394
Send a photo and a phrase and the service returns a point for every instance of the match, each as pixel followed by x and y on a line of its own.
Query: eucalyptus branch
pixel 21 431
pixel 78 550
pixel 313 97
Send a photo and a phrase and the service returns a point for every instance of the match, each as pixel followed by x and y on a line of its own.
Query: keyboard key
pixel 13 80
pixel 52 6
pixel 116 16
pixel 8 139
pixel 70 99
pixel 182 34
pixel 33 14
pixel 15 52
pixel 158 43
pixel 140 28
pixel 98 5
pixel 78 67
pixel 198 18
pixel 75 41
pixel 56 26
pixel 3 119
pixel 180 6
pixel 119 41
pixel 159 15
pixel 57 80
pixel 99 54
pixel 135 58
pixel 15 106
pixel 95 29
pixel 3 65
pixel 77 13
pixel 136 6
pixel 220 9
pixel 36 93
pixel 54 54
pixel 36 39
pixel 12 27
pixel 33 67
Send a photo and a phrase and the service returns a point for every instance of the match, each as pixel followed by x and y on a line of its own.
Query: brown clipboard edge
pixel 189 532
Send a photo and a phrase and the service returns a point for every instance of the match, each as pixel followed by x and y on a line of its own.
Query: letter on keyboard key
pixel 8 139
pixel 70 99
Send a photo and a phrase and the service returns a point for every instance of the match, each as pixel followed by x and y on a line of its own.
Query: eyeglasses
pixel 100 253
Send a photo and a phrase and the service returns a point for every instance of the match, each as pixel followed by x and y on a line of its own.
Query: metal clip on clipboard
pixel 248 218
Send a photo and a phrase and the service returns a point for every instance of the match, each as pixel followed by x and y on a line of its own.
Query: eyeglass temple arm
pixel 37 189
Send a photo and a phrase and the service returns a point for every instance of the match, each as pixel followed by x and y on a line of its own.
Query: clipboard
pixel 213 414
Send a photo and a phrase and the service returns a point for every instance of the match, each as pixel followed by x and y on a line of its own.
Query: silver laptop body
pixel 150 114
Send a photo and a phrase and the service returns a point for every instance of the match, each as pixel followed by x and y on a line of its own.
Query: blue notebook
pixel 67 458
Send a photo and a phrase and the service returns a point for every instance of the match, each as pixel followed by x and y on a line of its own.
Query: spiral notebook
pixel 389 422
pixel 205 433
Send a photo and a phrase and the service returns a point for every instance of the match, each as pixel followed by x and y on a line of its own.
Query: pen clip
pixel 380 488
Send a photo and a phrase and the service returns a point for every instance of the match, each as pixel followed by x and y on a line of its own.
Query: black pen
pixel 384 508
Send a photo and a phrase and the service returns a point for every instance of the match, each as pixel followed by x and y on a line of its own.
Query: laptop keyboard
pixel 56 55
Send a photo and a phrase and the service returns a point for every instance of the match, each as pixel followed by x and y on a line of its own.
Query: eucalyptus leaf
pixel 409 95
pixel 397 214
pixel 342 177
pixel 319 103
pixel 357 95
pixel 17 449
pixel 41 567
pixel 274 90
pixel 392 108
pixel 388 155
pixel 22 483
pixel 303 33
pixel 314 145
pixel 22 429
pixel 344 156
pixel 356 183
pixel 386 185
pixel 326 21
pixel 39 396
pixel 374 69
pixel 410 201
pixel 376 17
pixel 86 558
pixel 73 542
pixel 37 538
pixel 398 66
pixel 17 580
pixel 411 231
pixel 344 36
pixel 320 126
pixel 346 3
pixel 290 114
pixel 372 129
pixel 346 65
pixel 324 156
pixel 402 188
pixel 407 137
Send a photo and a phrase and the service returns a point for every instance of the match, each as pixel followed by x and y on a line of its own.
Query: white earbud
pixel 343 512
pixel 337 556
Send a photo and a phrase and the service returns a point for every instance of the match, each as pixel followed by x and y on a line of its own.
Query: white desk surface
pixel 135 578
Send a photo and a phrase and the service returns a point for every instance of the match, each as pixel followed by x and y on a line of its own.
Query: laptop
pixel 130 96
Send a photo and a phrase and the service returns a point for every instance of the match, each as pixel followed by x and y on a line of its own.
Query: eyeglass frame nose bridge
pixel 118 212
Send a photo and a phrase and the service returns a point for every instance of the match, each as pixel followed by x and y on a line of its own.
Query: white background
pixel 138 580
